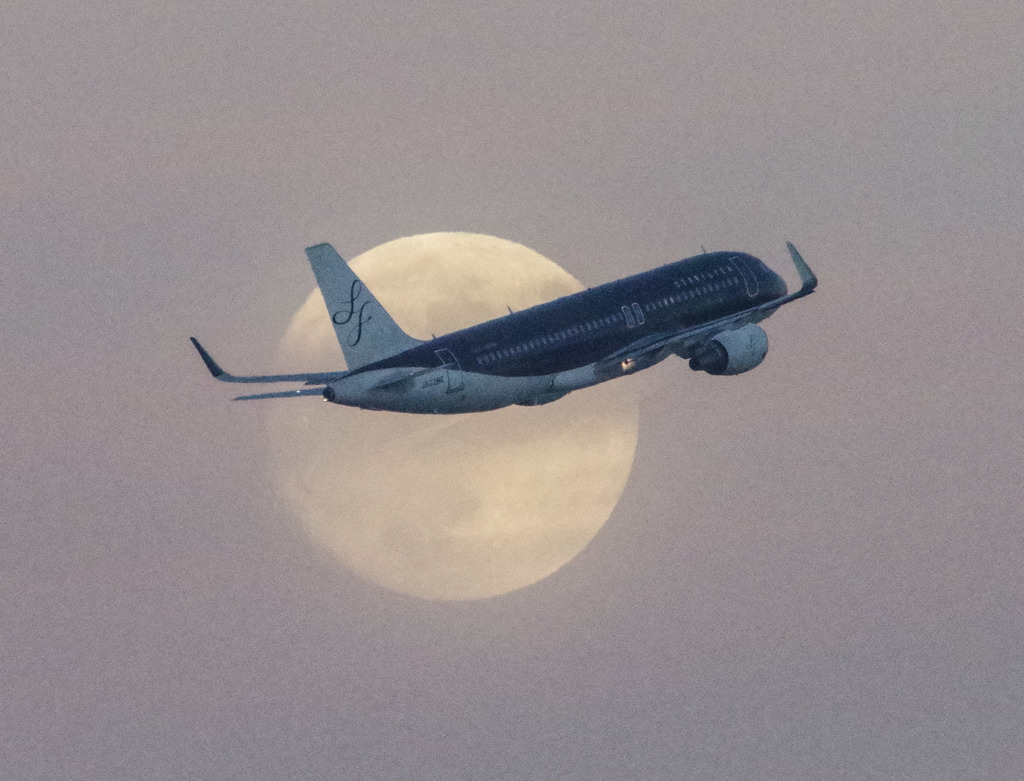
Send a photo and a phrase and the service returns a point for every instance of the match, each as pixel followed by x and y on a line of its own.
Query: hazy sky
pixel 815 570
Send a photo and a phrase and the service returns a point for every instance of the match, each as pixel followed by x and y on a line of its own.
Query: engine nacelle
pixel 732 352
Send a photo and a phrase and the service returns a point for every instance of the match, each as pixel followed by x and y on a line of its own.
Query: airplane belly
pixel 435 391
pixel 574 379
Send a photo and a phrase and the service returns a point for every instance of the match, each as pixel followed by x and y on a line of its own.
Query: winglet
pixel 806 275
pixel 310 378
pixel 211 364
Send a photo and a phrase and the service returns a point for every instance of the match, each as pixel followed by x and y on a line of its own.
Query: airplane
pixel 704 309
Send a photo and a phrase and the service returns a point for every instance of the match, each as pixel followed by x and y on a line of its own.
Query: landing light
pixel 628 364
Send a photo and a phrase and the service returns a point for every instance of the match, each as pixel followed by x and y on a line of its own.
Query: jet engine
pixel 732 352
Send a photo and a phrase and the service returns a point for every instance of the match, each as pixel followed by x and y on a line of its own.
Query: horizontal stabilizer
pixel 282 394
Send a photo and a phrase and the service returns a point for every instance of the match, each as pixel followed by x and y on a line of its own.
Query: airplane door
pixel 749 275
pixel 452 369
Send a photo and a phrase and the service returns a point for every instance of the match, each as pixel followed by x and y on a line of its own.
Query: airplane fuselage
pixel 540 354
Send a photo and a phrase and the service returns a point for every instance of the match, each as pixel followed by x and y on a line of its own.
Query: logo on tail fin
pixel 344 318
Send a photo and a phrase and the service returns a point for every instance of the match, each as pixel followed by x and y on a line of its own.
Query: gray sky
pixel 814 571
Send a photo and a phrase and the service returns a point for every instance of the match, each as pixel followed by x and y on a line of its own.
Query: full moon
pixel 449 507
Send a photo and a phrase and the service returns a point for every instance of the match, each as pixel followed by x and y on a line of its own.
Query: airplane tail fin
pixel 366 332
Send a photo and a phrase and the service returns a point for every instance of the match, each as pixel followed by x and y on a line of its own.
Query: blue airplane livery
pixel 704 309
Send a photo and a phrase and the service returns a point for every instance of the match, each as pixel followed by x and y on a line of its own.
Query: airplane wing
pixel 688 341
pixel 311 378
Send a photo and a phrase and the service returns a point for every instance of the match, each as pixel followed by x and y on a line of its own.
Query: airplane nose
pixel 329 393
